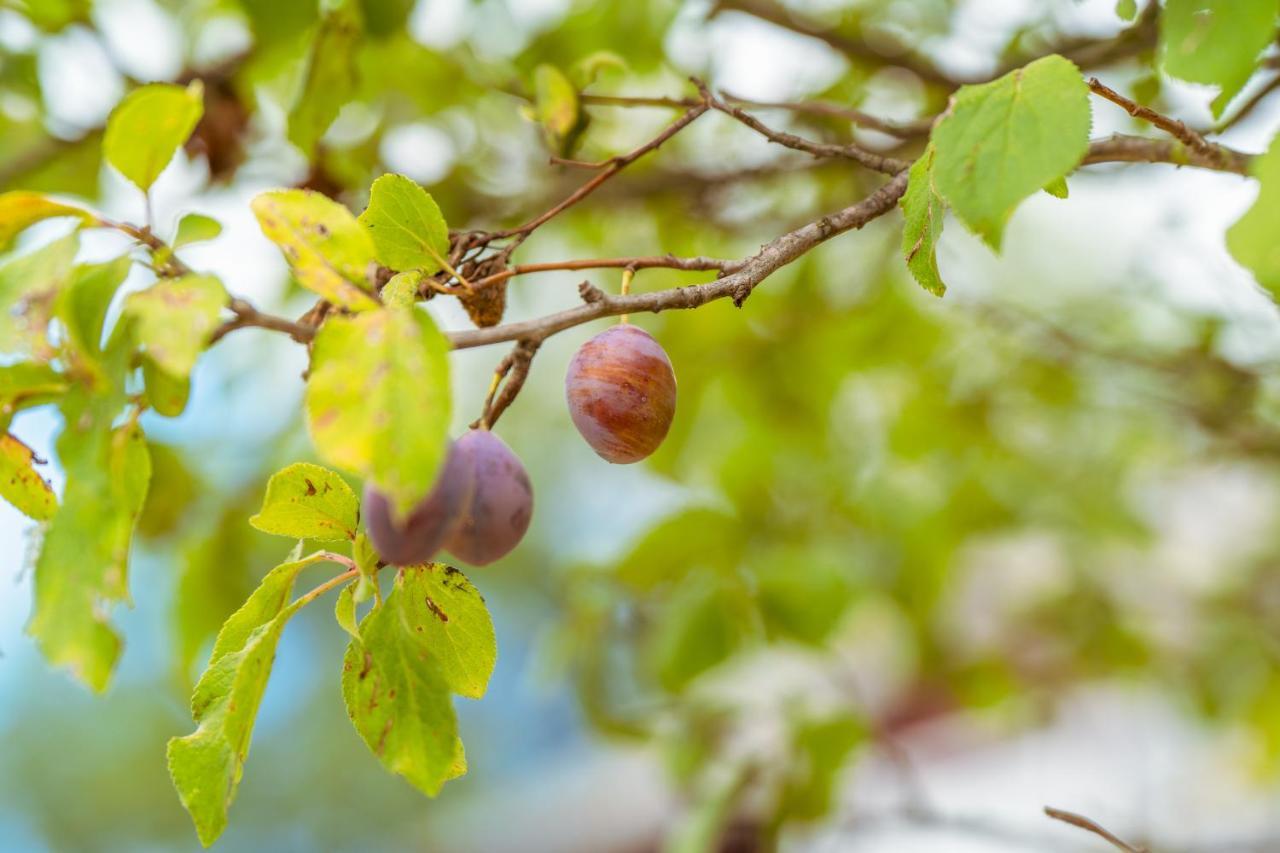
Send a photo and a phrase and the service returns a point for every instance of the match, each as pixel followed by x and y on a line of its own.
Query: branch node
pixel 590 293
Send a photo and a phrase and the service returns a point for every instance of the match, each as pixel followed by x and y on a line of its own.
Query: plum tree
pixel 621 392
pixel 501 505
pixel 420 535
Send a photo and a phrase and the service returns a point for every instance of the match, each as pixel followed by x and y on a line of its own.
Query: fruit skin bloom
pixel 501 505
pixel 621 393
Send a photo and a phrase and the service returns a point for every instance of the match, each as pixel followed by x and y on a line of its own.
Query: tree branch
pixel 1092 826
pixel 1178 130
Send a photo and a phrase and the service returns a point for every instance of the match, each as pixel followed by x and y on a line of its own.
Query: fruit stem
pixel 627 275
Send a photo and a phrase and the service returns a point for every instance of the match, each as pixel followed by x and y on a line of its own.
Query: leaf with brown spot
pixel 296 508
pixel 20 483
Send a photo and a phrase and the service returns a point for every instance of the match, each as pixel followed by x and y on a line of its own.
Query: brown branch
pixel 737 285
pixel 616 165
pixel 1122 148
pixel 1177 129
pixel 694 264
pixel 1092 826
pixel 826 109
pixel 869 159
pixel 246 316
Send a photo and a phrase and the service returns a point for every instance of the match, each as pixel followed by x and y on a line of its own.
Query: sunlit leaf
pixel 207 764
pixel 28 287
pixel 405 224
pixel 21 484
pixel 82 565
pixel 148 127
pixel 166 394
pixel 174 318
pixel 26 384
pixel 378 399
pixel 305 501
pixel 453 622
pixel 397 696
pixel 999 142
pixel 557 108
pixel 324 244
pixel 82 307
pixel 20 209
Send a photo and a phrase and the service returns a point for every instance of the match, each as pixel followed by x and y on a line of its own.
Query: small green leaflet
pixel 924 210
pixel 557 108
pixel 195 228
pixel 20 483
pixel 1058 188
pixel 999 142
pixel 148 127
pixel 1217 42
pixel 21 209
pixel 397 689
pixel 324 244
pixel 405 224
pixel 174 318
pixel 28 287
pixel 207 764
pixel 1126 9
pixel 344 610
pixel 305 501
pixel 1253 240
pixel 331 76
pixel 378 399
pixel 166 393
pixel 402 290
pixel 82 565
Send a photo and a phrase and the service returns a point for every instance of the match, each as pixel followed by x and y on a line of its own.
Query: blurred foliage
pixel 893 508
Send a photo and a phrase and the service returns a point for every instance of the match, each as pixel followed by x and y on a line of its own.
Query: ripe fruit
pixel 621 393
pixel 501 505
pixel 417 538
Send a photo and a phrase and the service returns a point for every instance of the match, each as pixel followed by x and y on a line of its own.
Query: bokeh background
pixel 906 570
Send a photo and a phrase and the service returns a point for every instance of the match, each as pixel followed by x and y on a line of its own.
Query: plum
pixel 621 392
pixel 417 537
pixel 501 504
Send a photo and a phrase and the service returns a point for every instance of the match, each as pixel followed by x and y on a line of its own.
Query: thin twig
pixel 694 264
pixel 1177 129
pixel 1092 826
pixel 508 379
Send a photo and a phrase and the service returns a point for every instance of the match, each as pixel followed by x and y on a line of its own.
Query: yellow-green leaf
pixel 453 622
pixel 557 108
pixel 148 127
pixel 1216 42
pixel 196 228
pixel 174 318
pixel 26 384
pixel 20 483
pixel 81 570
pixel 29 285
pixel 21 209
pixel 378 400
pixel 924 211
pixel 324 244
pixel 405 224
pixel 330 78
pixel 306 501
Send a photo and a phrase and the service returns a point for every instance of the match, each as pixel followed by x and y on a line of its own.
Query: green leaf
pixel 385 17
pixel 1216 42
pixel 367 562
pixel 196 228
pixel 21 209
pixel 344 610
pixel 1127 9
pixel 24 385
pixel 820 749
pixel 698 538
pixel 924 210
pixel 207 764
pixel 802 599
pixel 454 624
pixel 324 244
pixel 166 393
pixel 999 142
pixel 28 287
pixel 397 696
pixel 703 624
pixel 148 127
pixel 305 501
pixel 174 488
pixel 378 400
pixel 20 483
pixel 82 307
pixel 1057 188
pixel 330 79
pixel 82 565
pixel 1253 240
pixel 174 318
pixel 402 290
pixel 557 108
pixel 405 224
pixel 586 70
